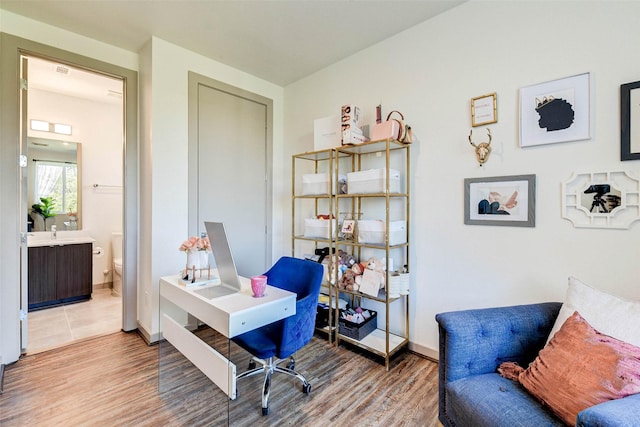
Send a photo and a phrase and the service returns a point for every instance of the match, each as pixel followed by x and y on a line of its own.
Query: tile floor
pixel 58 326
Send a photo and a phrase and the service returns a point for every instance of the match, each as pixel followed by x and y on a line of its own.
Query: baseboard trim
pixel 1 378
pixel 424 351
pixel 149 338
pixel 105 285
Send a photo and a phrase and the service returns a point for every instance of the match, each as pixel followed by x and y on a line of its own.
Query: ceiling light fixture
pixel 44 126
pixel 62 129
pixel 40 125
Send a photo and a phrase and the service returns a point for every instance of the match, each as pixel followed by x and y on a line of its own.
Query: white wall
pixel 430 73
pixel 97 127
pixel 164 171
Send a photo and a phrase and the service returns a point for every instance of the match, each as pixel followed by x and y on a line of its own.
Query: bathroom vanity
pixel 59 271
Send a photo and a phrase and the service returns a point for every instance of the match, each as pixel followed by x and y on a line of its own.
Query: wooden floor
pixel 116 380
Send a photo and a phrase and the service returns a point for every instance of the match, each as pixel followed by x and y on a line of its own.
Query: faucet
pixel 54 231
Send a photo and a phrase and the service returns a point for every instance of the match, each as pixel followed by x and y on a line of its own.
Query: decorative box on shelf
pixel 358 331
pixel 372 232
pixel 326 133
pixel 373 181
pixel 318 228
pixel 317 184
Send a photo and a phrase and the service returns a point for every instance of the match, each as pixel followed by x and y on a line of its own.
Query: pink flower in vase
pixel 189 245
pixel 203 244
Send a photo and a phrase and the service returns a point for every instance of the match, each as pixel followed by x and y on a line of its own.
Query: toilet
pixel 116 253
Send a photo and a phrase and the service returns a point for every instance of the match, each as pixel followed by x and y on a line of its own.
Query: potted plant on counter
pixel 44 209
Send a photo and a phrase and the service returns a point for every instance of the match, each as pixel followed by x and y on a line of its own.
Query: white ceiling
pixel 59 78
pixel 279 41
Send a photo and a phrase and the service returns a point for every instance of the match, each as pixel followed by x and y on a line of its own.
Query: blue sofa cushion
pixel 492 401
pixel 619 413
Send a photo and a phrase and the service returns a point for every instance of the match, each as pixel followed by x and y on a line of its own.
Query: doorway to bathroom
pixel 73 107
pixel 66 105
pixel 13 286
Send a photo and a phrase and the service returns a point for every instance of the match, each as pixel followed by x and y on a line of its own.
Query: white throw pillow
pixel 608 314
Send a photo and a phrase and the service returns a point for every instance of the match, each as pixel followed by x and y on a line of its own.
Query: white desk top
pixel 234 314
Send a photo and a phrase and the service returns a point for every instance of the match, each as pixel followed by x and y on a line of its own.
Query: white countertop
pixel 45 238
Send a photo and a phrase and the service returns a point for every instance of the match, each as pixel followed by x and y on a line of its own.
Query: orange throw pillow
pixel 580 367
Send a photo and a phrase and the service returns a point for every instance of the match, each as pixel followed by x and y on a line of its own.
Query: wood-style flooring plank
pixel 113 381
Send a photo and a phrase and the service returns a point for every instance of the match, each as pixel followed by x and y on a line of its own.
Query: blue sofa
pixel 473 343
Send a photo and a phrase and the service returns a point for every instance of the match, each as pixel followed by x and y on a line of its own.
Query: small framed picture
pixel 348 226
pixel 630 121
pixel 500 200
pixel 484 110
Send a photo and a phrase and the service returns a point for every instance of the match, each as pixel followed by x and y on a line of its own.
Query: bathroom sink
pixel 44 239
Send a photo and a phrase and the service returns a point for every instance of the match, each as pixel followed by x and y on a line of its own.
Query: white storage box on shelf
pixel 373 181
pixel 318 228
pixel 317 184
pixel 327 133
pixel 372 232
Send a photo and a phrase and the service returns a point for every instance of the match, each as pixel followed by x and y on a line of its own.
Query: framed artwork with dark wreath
pixel 500 200
pixel 630 121
pixel 555 111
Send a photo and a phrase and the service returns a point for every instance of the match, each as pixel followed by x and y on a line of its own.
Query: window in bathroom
pixel 58 180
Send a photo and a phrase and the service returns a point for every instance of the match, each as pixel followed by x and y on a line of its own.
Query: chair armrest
pixel 477 341
pixel 620 413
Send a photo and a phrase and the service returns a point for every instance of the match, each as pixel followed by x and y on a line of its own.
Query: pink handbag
pixel 394 129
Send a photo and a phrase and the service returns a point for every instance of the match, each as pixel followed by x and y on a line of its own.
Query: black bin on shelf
pixel 358 331
pixel 322 315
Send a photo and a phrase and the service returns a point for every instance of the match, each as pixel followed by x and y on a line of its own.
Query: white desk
pixel 231 315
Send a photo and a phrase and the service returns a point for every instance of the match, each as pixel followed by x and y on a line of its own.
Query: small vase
pixel 197 259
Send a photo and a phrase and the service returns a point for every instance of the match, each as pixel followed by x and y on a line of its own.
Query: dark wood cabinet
pixel 42 275
pixel 59 274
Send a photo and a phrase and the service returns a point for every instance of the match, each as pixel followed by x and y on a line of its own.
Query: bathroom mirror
pixel 54 170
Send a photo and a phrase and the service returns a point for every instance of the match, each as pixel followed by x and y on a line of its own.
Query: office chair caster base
pixel 265 411
pixel 306 388
pixel 292 364
pixel 252 364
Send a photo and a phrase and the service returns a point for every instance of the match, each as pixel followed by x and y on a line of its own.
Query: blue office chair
pixel 273 343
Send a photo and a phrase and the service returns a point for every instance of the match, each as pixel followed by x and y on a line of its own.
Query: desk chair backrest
pixel 304 278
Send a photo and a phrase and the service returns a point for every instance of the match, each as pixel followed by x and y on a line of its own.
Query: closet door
pixel 233 171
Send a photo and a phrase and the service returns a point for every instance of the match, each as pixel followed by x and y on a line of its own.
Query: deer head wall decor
pixel 482 149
